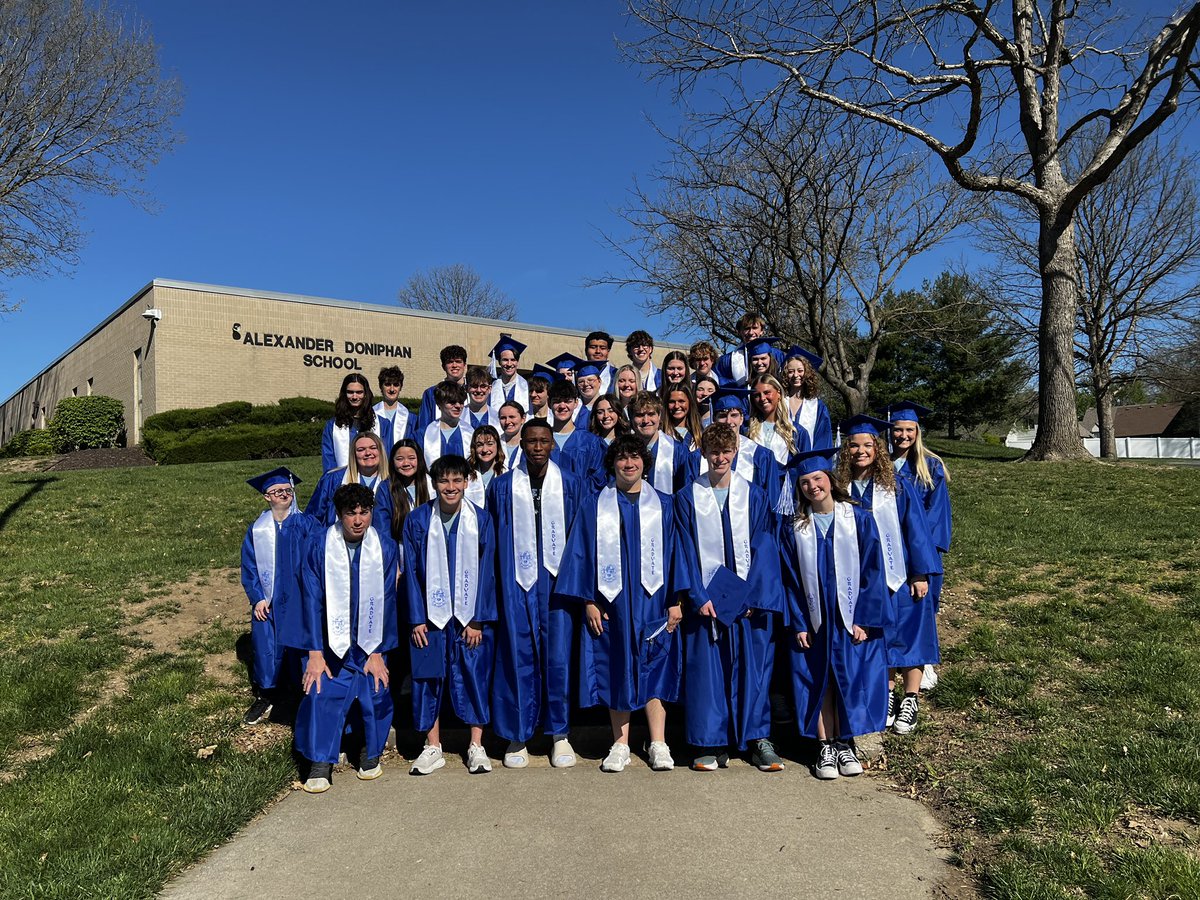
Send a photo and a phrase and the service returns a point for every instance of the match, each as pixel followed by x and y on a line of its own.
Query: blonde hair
pixel 881 471
pixel 918 456
pixel 352 463
pixel 783 421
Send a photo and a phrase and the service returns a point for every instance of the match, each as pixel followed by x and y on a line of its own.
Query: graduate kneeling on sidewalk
pixel 451 600
pixel 349 623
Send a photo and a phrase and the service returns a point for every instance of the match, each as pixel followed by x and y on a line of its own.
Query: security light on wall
pixel 152 314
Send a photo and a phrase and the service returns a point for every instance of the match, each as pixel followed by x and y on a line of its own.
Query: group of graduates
pixel 599 536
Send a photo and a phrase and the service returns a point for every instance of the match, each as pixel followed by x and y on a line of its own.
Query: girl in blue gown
pixel 808 411
pixel 368 466
pixel 352 413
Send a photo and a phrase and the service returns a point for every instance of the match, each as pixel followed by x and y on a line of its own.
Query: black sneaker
pixel 891 715
pixel 906 717
pixel 259 710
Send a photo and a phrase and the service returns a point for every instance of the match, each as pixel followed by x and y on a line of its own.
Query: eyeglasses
pixel 280 493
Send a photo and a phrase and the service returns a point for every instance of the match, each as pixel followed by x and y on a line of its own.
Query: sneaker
pixel 906 718
pixel 827 763
pixel 891 716
pixel 562 755
pixel 477 760
pixel 617 759
pixel 259 710
pixel 516 756
pixel 429 761
pixel 369 767
pixel 320 778
pixel 765 758
pixel 711 762
pixel 660 757
pixel 929 679
pixel 847 760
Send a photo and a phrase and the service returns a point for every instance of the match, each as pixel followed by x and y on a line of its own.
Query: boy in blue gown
pixel 672 464
pixel 835 618
pixel 403 422
pixel 508 384
pixel 272 558
pixel 451 611
pixel 727 562
pixel 348 623
pixel 596 348
pixel 754 463
pixel 532 507
pixel 576 450
pixel 734 368
pixel 454 365
pixel 449 434
pixel 618 563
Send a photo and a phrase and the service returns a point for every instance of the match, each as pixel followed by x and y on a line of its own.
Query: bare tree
pixel 457 290
pixel 807 220
pixel 993 91
pixel 1137 238
pixel 84 109
pixel 1174 368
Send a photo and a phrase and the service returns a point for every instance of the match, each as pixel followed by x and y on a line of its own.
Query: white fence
pixel 1130 448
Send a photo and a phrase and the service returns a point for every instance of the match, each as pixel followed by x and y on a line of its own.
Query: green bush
pixel 87 423
pixel 203 417
pixel 245 442
pixel 31 442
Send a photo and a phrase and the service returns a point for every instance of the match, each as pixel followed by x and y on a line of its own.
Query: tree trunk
pixel 1058 428
pixel 951 427
pixel 1103 390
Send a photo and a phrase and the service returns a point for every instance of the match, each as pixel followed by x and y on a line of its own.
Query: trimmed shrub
pixel 204 417
pixel 246 441
pixel 31 442
pixel 87 423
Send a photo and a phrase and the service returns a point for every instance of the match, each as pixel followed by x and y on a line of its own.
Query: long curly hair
pixel 810 385
pixel 498 462
pixel 881 472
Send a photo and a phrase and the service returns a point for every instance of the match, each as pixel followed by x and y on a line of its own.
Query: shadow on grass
pixel 36 486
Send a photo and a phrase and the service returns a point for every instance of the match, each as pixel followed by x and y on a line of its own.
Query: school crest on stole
pixel 437 597
pixel 525 559
pixel 608 572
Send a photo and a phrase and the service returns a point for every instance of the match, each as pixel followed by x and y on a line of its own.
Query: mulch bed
pixel 112 458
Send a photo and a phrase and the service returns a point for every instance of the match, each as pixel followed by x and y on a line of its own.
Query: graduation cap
pixel 808 356
pixel 507 342
pixel 730 398
pixel 727 593
pixel 568 361
pixel 864 424
pixel 282 475
pixel 588 369
pixel 809 461
pixel 759 345
pixel 546 372
pixel 905 411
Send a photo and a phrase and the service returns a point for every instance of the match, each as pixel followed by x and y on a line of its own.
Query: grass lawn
pixel 1060 746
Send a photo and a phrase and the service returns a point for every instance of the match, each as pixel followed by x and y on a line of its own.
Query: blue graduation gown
pixel 466 671
pixel 724 367
pixel 329 460
pixel 858 671
pixel 936 501
pixel 621 668
pixel 911 628
pixel 583 454
pixel 768 477
pixel 410 425
pixel 322 717
pixel 822 435
pixel 451 441
pixel 537 635
pixel 320 504
pixel 583 415
pixel 727 680
pixel 269 638
pixel 685 465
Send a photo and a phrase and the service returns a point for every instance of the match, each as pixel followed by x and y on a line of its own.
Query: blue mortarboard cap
pixel 760 345
pixel 507 342
pixel 730 398
pixel 585 370
pixel 905 411
pixel 545 371
pixel 808 461
pixel 864 424
pixel 282 475
pixel 807 355
pixel 566 361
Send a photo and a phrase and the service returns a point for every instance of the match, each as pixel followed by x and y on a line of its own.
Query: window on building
pixel 89 387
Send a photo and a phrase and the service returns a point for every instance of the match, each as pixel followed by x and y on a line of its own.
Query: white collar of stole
pixel 743 463
pixel 262 534
pixel 362 479
pixel 846 565
pixel 737 366
pixel 649 380
pixel 606 374
pixel 777 445
pixel 806 418
pixel 477 491
pixel 341 445
pixel 518 390
pixel 891 539
pixel 554 524
pixel 446 600
pixel 710 533
pixel 664 464
pixel 432 439
pixel 514 457
pixel 337 591
pixel 398 417
pixel 608 541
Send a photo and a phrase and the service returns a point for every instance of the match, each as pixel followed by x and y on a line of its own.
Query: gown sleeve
pixel 250 582
pixel 871 610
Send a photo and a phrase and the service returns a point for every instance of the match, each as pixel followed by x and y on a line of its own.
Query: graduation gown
pixel 320 504
pixel 270 638
pixel 821 437
pixel 936 501
pixel 622 668
pixel 911 628
pixel 486 416
pixel 727 678
pixel 724 367
pixel 537 633
pixel 399 432
pixel 322 717
pixel 466 672
pixel 685 463
pixel 857 672
pixel 329 460
pixel 768 477
pixel 456 442
pixel 583 454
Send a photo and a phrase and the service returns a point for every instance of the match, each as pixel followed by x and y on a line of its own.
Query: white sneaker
pixel 477 760
pixel 847 762
pixel 929 679
pixel 617 759
pixel 429 761
pixel 827 763
pixel 660 757
pixel 562 756
pixel 516 756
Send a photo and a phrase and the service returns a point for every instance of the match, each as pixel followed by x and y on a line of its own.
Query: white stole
pixel 379 482
pixel 743 463
pixel 806 418
pixel 513 456
pixel 738 367
pixel 442 596
pixel 891 539
pixel 650 382
pixel 476 490
pixel 664 464
pixel 608 541
pixel 337 591
pixel 554 524
pixel 341 445
pixel 777 445
pixel 398 417
pixel 431 442
pixel 710 533
pixel 262 533
pixel 499 395
pixel 846 565
pixel 606 374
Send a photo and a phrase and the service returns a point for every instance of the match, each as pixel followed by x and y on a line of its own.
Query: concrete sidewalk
pixel 544 832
